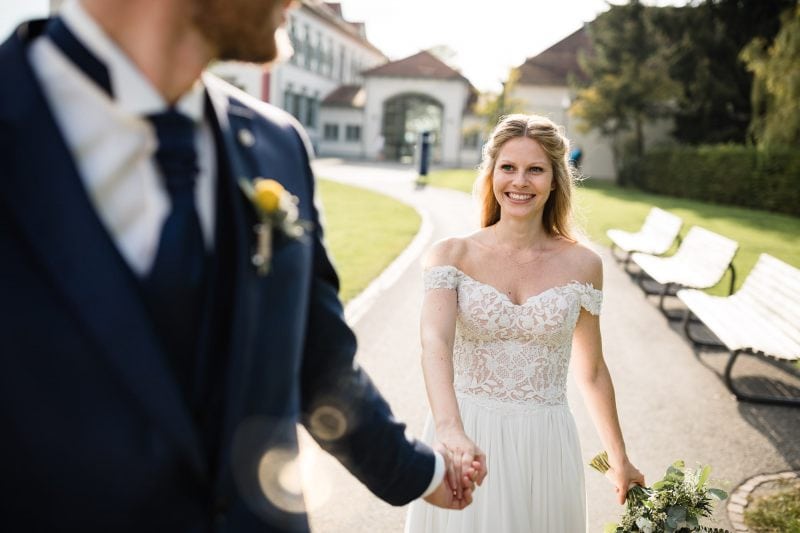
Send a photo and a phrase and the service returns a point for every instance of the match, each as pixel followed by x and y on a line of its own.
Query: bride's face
pixel 522 178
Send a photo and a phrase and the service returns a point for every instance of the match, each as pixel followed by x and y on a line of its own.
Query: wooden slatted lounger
pixel 659 231
pixel 762 318
pixel 700 262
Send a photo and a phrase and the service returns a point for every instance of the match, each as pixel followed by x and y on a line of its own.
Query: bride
pixel 506 311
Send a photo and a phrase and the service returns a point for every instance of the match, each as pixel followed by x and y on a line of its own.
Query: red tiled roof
pixel 346 96
pixel 336 7
pixel 361 28
pixel 421 65
pixel 555 65
pixel 331 14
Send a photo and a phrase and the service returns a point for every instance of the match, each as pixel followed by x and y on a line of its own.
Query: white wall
pixel 343 116
pixel 357 57
pixel 452 94
pixel 245 76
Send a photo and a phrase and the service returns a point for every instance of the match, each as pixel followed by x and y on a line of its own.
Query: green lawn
pixel 601 205
pixel 453 178
pixel 364 232
pixel 775 512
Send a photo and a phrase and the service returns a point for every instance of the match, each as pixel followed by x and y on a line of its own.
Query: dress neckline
pixel 585 284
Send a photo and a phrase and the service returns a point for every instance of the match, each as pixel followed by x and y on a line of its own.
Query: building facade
pixel 355 103
pixel 352 101
pixel 329 52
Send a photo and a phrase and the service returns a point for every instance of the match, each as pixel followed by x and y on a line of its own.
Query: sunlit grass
pixel 364 232
pixel 776 512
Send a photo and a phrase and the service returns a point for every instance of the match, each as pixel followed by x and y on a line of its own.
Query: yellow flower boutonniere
pixel 277 209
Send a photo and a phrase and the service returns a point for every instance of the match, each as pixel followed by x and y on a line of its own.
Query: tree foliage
pixel 491 107
pixel 776 86
pixel 629 80
pixel 702 43
pixel 684 63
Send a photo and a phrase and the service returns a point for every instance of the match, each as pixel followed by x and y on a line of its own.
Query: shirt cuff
pixel 438 475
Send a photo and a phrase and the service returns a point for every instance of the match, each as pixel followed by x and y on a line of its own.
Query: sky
pixel 489 37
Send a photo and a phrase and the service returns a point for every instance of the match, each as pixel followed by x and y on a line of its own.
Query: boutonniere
pixel 276 209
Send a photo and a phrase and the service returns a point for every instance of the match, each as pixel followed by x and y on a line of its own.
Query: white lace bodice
pixel 511 352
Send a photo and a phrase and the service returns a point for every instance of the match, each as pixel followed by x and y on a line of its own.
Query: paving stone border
pixel 739 498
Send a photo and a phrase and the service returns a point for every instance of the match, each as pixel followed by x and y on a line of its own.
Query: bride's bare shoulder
pixel 452 251
pixel 588 264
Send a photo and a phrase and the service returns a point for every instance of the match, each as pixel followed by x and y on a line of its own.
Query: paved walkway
pixel 672 403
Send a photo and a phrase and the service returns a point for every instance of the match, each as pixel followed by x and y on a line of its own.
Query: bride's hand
pixel 468 465
pixel 623 475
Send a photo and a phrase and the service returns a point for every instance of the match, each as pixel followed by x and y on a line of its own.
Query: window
pixel 289 102
pixel 307 49
pixel 353 133
pixel 329 58
pixel 302 108
pixel 295 40
pixel 320 55
pixel 310 119
pixel 331 132
pixel 471 139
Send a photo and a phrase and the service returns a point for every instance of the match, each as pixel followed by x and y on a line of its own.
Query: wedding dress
pixel 510 365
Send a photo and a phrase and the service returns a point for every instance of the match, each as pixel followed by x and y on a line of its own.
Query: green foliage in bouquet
pixel 673 505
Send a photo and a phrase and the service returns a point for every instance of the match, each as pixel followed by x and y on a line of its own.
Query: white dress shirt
pixel 113 144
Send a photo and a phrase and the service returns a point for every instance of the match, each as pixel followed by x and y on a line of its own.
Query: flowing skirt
pixel 535 473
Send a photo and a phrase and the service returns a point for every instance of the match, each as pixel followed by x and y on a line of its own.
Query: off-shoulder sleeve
pixel 591 298
pixel 440 277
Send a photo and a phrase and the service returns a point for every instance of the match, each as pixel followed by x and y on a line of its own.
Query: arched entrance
pixel 405 117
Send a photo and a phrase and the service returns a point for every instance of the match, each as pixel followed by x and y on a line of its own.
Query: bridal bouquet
pixel 673 505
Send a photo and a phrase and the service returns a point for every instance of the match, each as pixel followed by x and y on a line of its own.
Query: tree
pixel 629 81
pixel 494 106
pixel 701 46
pixel 776 87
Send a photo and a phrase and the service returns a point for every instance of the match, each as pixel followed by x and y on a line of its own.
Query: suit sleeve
pixel 342 409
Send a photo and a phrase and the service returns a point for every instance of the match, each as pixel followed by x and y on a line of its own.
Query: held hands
pixel 465 466
pixel 623 474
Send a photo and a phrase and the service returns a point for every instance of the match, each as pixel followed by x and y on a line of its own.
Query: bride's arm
pixel 437 333
pixel 594 381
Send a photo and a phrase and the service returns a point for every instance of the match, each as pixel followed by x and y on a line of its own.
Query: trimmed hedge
pixel 722 174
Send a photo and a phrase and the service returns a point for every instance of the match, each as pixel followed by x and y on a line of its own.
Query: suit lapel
pixel 47 199
pixel 246 294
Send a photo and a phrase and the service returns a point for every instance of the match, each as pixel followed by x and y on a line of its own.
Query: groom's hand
pixel 445 497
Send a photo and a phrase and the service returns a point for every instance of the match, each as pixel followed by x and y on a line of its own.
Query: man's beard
pixel 238 31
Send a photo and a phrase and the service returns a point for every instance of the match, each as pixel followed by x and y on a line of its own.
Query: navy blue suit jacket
pixel 94 433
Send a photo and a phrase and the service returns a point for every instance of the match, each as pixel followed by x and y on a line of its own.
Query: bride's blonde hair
pixel 557 216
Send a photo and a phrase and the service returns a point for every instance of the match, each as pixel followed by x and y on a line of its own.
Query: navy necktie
pixel 175 287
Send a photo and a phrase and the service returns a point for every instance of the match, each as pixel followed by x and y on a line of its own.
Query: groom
pixel 151 375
